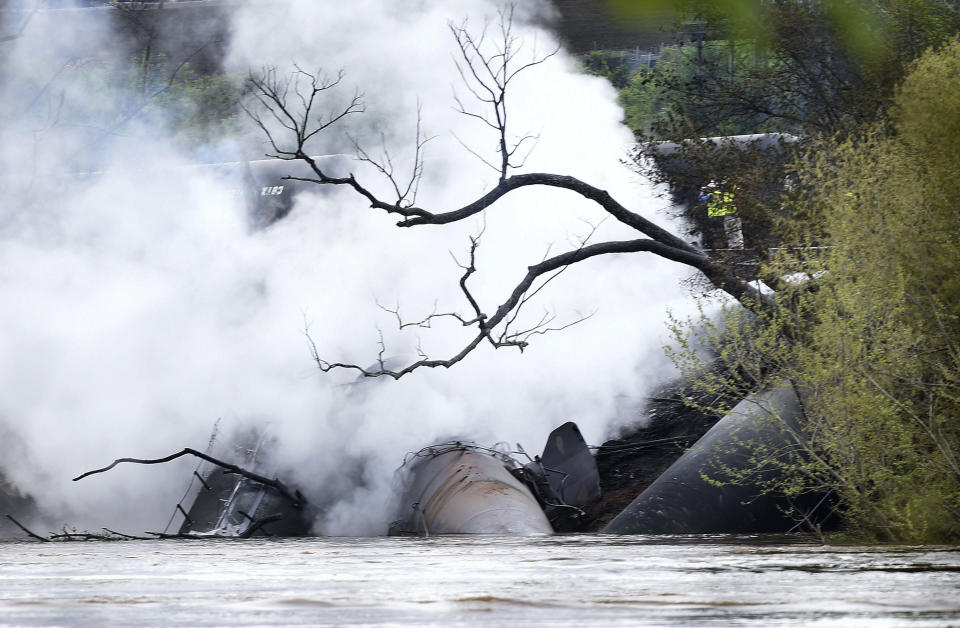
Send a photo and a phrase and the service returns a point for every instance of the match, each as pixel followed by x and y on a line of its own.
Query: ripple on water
pixel 568 580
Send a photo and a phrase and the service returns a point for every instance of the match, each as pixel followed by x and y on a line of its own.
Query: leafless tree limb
pixel 126 536
pixel 522 337
pixel 28 532
pixel 487 74
pixel 507 337
pixel 487 66
pixel 294 496
pixel 427 321
pixel 406 192
pixel 520 290
pixel 107 535
pixel 271 93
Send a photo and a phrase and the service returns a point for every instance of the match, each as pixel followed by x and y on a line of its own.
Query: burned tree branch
pixel 468 270
pixel 108 535
pixel 542 326
pixel 83 536
pixel 427 321
pixel 27 531
pixel 294 496
pixel 271 93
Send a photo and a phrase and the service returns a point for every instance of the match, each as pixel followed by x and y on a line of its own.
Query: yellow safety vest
pixel 721 204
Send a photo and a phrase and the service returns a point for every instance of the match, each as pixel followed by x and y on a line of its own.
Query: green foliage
pixel 200 110
pixel 639 100
pixel 811 68
pixel 863 28
pixel 610 65
pixel 868 326
pixel 673 99
pixel 193 110
pixel 679 97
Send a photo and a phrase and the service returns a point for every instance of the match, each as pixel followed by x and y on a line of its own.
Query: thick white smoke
pixel 140 307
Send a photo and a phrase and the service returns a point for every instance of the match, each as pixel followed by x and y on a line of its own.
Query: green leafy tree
pixel 867 324
pixel 814 68
pixel 610 65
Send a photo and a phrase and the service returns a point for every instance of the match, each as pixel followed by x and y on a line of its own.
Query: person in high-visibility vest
pixel 722 204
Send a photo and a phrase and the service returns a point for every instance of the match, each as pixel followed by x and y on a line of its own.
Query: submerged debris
pixel 232 501
pixel 76 535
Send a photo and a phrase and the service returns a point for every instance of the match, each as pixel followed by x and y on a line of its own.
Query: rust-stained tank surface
pixel 460 488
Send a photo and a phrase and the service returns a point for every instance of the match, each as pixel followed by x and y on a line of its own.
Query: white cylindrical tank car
pixel 465 489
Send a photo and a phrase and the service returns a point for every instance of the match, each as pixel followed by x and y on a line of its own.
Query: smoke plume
pixel 139 306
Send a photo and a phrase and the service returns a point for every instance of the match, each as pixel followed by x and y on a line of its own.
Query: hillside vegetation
pixel 867 320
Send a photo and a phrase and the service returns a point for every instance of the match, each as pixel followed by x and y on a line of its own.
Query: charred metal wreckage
pixel 229 500
pixel 450 488
pixel 459 487
pixel 227 503
pixel 463 488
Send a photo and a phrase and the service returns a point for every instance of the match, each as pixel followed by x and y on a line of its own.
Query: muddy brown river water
pixel 459 581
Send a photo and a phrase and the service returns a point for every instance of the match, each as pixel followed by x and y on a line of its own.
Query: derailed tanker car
pixel 265 189
pixel 228 500
pixel 268 191
pixel 268 188
pixel 716 487
pixel 450 488
pixel 228 504
pixel 463 488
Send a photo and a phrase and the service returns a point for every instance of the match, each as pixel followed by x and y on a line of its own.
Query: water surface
pixel 562 580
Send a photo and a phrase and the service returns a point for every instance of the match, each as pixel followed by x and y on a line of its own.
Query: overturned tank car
pixel 228 503
pixel 270 186
pixel 463 488
pixel 721 484
pixel 265 189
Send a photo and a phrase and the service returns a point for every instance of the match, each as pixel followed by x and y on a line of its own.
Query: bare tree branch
pixel 487 324
pixel 29 533
pixel 272 94
pixel 406 192
pixel 487 75
pixel 487 65
pixel 294 496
